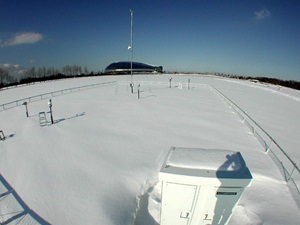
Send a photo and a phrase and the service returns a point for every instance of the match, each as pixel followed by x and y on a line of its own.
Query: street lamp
pixel 50 107
pixel 25 103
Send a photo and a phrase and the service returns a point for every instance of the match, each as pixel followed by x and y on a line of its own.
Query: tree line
pixel 50 71
pixel 285 83
pixel 42 74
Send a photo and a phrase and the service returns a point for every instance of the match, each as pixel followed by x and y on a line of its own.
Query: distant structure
pixel 124 67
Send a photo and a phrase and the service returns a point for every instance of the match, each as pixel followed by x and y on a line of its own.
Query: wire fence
pixel 154 85
pixel 287 166
pixel 40 97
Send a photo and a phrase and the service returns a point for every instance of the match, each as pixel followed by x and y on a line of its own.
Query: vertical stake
pixel 50 106
pixel 139 91
pixel 2 136
pixel 25 103
pixel 131 87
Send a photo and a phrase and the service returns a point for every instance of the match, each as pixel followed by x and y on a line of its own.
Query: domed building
pixel 124 67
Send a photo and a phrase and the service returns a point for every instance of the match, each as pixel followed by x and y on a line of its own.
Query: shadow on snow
pixel 14 209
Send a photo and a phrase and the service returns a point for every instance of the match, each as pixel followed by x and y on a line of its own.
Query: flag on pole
pixel 129 47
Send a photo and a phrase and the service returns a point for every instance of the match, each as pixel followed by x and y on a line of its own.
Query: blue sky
pixel 254 37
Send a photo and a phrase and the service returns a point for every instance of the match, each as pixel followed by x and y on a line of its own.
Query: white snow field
pixel 106 147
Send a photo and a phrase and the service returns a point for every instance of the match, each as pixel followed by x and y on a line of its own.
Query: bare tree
pixel 72 70
pixel 86 71
pixel 32 72
pixel 66 70
pixel 76 70
pixel 26 74
pixel 79 70
pixel 40 72
pixel 3 75
pixel 44 72
pixel 56 71
pixel 50 71
pixel 11 79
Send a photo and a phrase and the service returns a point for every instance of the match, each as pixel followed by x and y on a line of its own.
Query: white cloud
pixel 262 14
pixel 23 38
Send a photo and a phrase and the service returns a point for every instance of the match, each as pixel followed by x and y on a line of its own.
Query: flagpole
pixel 131 47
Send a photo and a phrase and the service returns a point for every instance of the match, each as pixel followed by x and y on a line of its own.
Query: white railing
pixel 288 167
pixel 40 97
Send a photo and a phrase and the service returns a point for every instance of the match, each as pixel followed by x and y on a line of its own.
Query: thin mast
pixel 131 42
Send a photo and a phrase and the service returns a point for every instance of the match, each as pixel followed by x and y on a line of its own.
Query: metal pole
pixel 26 110
pixel 139 91
pixel 25 103
pixel 51 115
pixel 131 47
pixel 50 106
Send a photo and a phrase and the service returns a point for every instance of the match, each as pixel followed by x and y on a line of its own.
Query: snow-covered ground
pixel 106 147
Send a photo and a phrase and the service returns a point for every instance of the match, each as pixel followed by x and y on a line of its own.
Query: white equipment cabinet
pixel 201 186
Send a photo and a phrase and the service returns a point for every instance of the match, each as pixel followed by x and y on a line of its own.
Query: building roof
pixel 125 67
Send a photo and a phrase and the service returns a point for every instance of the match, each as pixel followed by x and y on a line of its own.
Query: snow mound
pixel 216 160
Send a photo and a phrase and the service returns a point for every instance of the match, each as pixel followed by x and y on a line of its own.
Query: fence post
pixel 26 108
pixel 269 146
pixel 254 130
pixel 290 177
pixel 243 119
